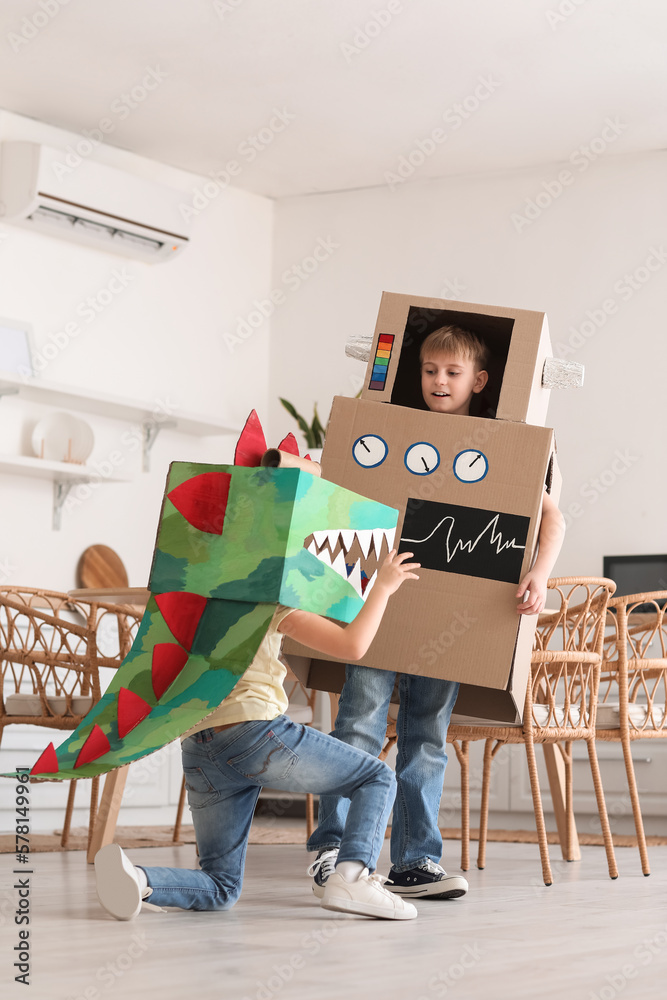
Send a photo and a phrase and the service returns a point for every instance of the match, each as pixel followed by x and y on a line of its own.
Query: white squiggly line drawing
pixel 496 538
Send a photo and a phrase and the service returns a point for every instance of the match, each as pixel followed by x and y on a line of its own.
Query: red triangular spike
pixel 252 443
pixel 307 457
pixel 182 612
pixel 168 661
pixel 289 444
pixel 96 745
pixel 132 709
pixel 202 500
pixel 47 763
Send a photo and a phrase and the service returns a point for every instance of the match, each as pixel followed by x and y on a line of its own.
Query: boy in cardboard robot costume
pixel 477 494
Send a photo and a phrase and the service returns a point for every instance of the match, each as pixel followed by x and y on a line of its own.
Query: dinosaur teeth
pixel 339 565
pixel 320 538
pixel 370 584
pixel 365 538
pixel 347 538
pixel 355 578
pixel 354 555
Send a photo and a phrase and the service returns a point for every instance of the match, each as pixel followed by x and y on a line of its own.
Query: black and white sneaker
pixel 322 867
pixel 428 879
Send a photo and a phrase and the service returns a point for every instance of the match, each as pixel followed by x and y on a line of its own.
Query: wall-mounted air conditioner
pixel 77 199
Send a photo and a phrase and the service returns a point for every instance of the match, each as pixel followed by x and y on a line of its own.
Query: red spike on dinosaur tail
pixel 132 709
pixel 252 444
pixel 202 500
pixel 168 661
pixel 289 444
pixel 182 612
pixel 47 762
pixel 96 745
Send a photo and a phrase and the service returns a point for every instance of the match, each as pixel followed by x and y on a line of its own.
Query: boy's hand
pixel 533 602
pixel 394 571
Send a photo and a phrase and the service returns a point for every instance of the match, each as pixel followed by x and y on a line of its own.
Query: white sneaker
pixel 118 887
pixel 367 896
pixel 322 867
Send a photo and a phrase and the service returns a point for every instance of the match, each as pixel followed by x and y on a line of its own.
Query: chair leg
pixel 67 822
pixel 179 814
pixel 464 761
pixel 539 813
pixel 310 813
pixel 569 796
pixel 602 809
pixel 484 804
pixel 636 810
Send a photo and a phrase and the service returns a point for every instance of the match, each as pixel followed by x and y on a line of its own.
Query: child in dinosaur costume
pixel 205 666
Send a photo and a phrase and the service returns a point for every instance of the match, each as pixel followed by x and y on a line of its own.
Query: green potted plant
pixel 313 432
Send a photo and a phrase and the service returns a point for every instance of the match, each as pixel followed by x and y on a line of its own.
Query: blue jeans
pixel 423 717
pixel 224 773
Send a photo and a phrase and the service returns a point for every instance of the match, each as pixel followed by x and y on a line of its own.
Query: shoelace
pixel 326 864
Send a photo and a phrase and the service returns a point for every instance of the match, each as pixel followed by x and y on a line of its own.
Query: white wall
pixel 456 238
pixel 160 340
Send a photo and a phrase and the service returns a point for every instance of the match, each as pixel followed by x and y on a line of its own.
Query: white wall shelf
pixel 152 417
pixel 106 405
pixel 64 476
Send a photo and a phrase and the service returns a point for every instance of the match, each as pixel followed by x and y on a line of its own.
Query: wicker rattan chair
pixel 633 688
pixel 561 703
pixel 50 657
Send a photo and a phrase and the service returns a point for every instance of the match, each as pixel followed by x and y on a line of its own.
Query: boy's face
pixel 448 383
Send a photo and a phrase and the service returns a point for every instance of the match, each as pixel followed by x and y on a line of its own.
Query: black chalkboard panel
pixel 467 540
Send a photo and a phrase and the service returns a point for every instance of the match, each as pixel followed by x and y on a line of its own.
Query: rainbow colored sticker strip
pixel 381 362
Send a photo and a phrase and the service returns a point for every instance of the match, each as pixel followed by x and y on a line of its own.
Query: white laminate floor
pixel 584 938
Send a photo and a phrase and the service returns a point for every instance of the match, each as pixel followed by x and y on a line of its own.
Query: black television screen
pixel 637 575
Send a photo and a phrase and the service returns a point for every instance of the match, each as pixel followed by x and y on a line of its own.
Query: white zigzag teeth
pixel 312 547
pixel 370 584
pixel 347 536
pixel 365 538
pixel 320 538
pixel 355 578
pixel 379 535
pixel 324 556
pixel 390 534
pixel 339 565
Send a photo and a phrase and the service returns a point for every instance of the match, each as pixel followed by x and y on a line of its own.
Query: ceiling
pixel 303 96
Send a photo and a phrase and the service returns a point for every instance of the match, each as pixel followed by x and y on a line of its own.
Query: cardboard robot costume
pixel 469 490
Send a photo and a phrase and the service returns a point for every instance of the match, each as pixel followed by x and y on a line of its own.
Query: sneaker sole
pixel 116 889
pixel 366 909
pixel 434 890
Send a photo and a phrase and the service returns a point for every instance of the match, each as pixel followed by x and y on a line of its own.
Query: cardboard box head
pixel 517 340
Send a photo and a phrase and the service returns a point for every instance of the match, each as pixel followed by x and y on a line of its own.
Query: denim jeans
pixel 224 773
pixel 425 707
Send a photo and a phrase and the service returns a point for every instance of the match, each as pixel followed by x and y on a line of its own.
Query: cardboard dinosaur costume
pixel 469 490
pixel 230 546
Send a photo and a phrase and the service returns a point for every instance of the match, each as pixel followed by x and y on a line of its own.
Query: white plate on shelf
pixel 61 437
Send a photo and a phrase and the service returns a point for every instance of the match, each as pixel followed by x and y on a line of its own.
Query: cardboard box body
pixel 469 491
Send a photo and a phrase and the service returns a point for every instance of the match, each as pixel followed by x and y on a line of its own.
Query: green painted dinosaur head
pixel 233 541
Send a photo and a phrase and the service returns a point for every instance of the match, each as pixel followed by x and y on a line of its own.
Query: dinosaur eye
pixel 369 451
pixel 422 458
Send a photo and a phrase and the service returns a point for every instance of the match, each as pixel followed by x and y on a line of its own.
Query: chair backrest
pixel 50 655
pixel 578 624
pixel 567 654
pixel 634 670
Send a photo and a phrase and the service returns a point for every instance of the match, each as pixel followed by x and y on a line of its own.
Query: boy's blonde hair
pixel 461 343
